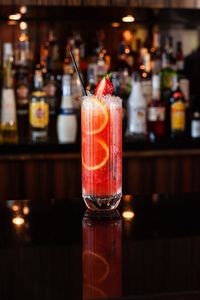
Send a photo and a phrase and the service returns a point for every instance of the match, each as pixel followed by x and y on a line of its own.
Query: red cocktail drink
pixel 101 123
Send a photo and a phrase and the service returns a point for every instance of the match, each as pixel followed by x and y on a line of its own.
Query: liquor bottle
pixel 39 109
pixel 170 51
pixel 80 45
pixel 54 65
pixel 23 54
pixel 195 118
pixel 138 55
pixel 92 77
pixel 126 54
pixel 101 67
pixel 52 95
pixel 168 72
pixel 125 85
pixel 177 112
pixel 156 53
pixel 183 80
pixel 22 102
pixel 116 83
pixel 195 125
pixel 67 120
pixel 76 90
pixel 145 73
pixel 53 68
pixel 179 58
pixel 8 104
pixel 136 112
pixel 156 112
pixel 67 64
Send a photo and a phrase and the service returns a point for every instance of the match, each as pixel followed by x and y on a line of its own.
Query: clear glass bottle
pixel 136 112
pixel 156 112
pixel 195 124
pixel 156 52
pixel 92 77
pixel 39 109
pixel 8 103
pixel 67 119
pixel 101 67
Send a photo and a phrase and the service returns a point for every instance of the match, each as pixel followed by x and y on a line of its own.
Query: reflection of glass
pixel 101 255
pixel 101 121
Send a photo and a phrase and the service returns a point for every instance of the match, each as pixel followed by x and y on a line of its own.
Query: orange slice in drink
pixel 94 116
pixel 95 153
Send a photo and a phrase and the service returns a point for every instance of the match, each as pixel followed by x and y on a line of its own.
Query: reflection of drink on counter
pixel 101 118
pixel 101 255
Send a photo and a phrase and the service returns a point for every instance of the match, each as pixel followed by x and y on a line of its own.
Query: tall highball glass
pixel 101 127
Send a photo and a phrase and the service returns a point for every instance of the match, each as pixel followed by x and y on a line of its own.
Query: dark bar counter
pixel 49 249
pixel 41 171
pixel 51 146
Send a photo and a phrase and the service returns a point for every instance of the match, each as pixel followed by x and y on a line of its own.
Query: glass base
pixel 102 203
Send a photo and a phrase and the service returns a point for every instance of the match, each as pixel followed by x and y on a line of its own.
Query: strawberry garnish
pixel 105 86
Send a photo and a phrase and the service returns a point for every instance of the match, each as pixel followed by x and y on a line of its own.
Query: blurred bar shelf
pixel 188 4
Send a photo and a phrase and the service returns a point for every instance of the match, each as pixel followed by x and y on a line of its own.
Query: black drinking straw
pixel 77 71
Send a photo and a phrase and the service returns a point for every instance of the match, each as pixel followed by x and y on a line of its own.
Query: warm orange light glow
pixel 23 9
pixel 25 210
pixel 144 75
pixel 18 221
pixel 127 198
pixel 128 215
pixel 127 36
pixel 15 17
pixel 15 207
pixel 127 50
pixel 128 19
pixel 11 22
pixel 115 24
pixel 141 67
pixel 23 38
pixel 23 25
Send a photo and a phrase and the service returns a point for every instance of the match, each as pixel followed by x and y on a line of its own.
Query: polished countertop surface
pixel 148 249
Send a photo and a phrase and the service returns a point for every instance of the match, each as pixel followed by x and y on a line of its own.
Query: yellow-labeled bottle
pixel 39 109
pixel 177 113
